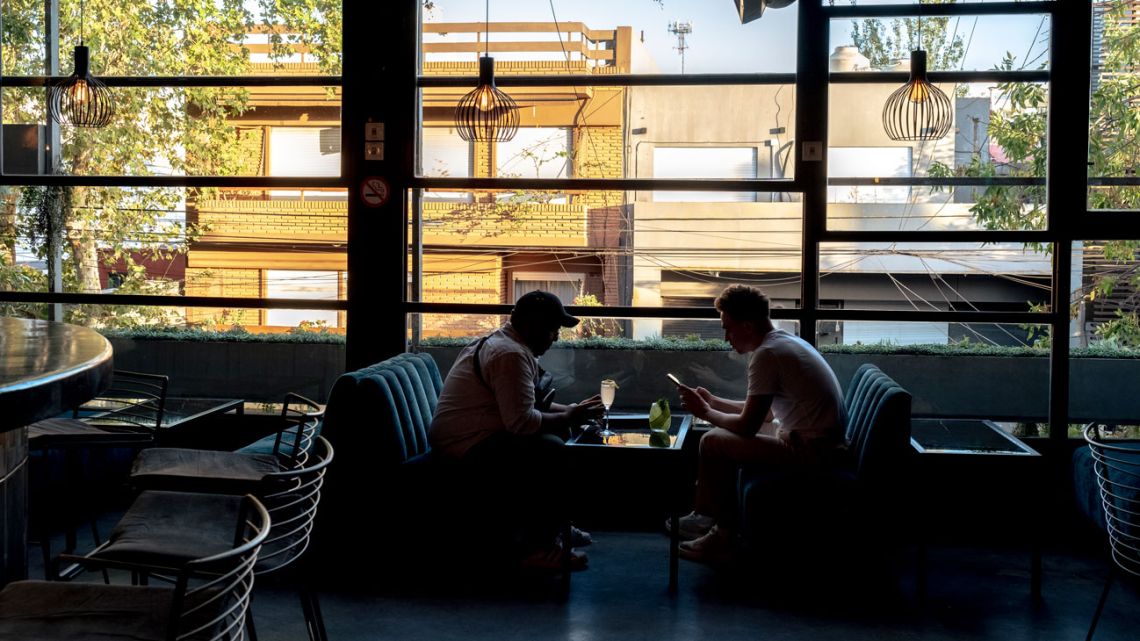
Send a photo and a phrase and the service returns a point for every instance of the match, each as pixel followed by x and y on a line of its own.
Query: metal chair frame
pixel 211 594
pixel 129 413
pixel 301 425
pixel 291 500
pixel 1118 476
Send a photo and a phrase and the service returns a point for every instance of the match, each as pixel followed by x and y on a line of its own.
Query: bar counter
pixel 45 369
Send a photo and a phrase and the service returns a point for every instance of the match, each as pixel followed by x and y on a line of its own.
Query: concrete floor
pixel 973 594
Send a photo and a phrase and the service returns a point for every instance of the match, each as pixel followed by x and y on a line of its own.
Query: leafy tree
pixel 172 130
pixel 1018 126
pixel 885 42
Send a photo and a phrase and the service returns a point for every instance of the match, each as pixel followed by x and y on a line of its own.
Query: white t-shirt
pixel 806 397
pixel 470 410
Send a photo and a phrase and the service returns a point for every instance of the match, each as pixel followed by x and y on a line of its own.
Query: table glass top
pixel 633 432
pixel 964 436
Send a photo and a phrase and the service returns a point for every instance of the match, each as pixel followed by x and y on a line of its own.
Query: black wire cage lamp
pixel 918 110
pixel 486 113
pixel 81 99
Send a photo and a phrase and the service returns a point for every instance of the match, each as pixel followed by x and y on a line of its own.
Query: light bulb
pixel 485 98
pixel 919 92
pixel 80 92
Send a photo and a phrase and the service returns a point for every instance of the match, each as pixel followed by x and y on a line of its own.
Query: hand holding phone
pixel 677 382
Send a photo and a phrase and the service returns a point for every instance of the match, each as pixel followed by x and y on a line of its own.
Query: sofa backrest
pixel 382 412
pixel 878 425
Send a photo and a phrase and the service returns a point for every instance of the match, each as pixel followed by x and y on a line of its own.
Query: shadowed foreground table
pixel 45 369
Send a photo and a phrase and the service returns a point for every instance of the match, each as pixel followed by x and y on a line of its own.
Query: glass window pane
pixel 621 132
pixel 148 39
pixel 629 248
pixel 597 36
pixel 295 283
pixel 184 131
pixel 937 277
pixel 535 152
pixel 1114 129
pixel 998 133
pixel 304 151
pixel 1104 337
pixel 952 43
pixel 177 241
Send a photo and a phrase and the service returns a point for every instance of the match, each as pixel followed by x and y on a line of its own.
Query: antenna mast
pixel 681 29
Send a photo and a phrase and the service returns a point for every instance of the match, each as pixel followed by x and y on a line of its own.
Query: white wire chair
pixel 1117 469
pixel 208 602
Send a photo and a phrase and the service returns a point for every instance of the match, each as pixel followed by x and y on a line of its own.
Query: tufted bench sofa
pixel 817 507
pixel 377 417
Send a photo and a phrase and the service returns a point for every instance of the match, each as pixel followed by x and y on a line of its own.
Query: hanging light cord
pixel 487 36
pixel 82 6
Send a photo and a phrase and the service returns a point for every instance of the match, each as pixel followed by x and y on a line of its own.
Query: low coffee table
pixel 631 448
pixel 974 462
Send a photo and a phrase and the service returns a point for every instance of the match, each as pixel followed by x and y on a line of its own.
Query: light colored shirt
pixel 806 397
pixel 471 409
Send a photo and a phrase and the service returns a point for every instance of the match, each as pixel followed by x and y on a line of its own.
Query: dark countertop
pixel 47 368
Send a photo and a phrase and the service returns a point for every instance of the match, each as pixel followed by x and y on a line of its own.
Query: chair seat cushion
pixel 172 528
pixel 56 611
pixel 58 432
pixel 178 469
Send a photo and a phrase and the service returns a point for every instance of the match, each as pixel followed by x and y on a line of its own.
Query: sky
pixel 720 44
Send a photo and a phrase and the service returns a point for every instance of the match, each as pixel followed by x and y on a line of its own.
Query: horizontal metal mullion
pixel 933 181
pixel 171 301
pixel 709 313
pixel 939 236
pixel 249 182
pixel 938 77
pixel 1115 181
pixel 588 184
pixel 938 9
pixel 616 80
pixel 1107 224
pixel 184 81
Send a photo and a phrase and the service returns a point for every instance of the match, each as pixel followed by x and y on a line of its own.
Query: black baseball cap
pixel 543 307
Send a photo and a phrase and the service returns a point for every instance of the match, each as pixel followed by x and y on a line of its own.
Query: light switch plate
pixel 812 151
pixel 373 131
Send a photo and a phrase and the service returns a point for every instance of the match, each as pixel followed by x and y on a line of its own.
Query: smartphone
pixel 675 381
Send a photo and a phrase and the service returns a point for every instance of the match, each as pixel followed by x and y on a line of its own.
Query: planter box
pixel 248 370
pixel 1001 388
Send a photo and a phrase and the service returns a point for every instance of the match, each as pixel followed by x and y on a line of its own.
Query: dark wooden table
pixel 45 369
pixel 976 464
pixel 632 449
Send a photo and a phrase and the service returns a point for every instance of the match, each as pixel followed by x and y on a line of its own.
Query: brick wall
pixel 501 223
pixel 288 220
pixel 223 282
pixel 458 278
pixel 598 154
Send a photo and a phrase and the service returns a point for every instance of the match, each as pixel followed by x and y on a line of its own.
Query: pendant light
pixel 81 99
pixel 918 110
pixel 486 114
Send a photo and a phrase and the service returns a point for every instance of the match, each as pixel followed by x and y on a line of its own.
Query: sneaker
pixel 691 526
pixel 578 538
pixel 716 547
pixel 550 559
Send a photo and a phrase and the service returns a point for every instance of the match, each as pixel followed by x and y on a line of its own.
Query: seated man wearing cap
pixel 489 419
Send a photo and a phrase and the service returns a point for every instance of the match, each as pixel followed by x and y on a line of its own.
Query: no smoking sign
pixel 374 191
